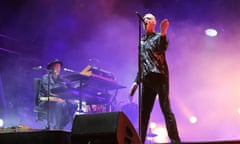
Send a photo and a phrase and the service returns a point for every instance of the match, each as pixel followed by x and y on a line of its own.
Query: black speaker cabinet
pixel 103 128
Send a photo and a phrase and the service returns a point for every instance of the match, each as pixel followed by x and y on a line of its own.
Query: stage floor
pixel 33 136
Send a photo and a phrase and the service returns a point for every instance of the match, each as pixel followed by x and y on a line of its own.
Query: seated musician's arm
pixel 44 92
pixel 45 86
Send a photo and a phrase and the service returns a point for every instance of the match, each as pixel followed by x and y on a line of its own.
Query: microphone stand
pixel 48 100
pixel 140 80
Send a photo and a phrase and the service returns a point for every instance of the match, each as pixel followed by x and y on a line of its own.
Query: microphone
pixel 68 70
pixel 140 17
pixel 37 67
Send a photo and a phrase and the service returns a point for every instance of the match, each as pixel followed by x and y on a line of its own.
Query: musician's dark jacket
pixel 153 59
pixel 48 79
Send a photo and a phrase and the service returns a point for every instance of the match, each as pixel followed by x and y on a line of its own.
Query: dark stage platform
pixel 23 136
pixel 30 136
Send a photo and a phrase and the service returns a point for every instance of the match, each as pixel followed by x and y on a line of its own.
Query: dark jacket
pixel 153 59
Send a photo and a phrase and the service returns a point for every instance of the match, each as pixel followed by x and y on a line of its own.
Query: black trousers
pixel 154 84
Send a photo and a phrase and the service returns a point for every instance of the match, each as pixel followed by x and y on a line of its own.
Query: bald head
pixel 150 16
pixel 150 21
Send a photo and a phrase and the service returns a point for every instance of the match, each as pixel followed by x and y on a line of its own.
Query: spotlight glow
pixel 193 119
pixel 238 110
pixel 152 125
pixel 211 32
pixel 162 136
pixel 159 133
pixel 1 122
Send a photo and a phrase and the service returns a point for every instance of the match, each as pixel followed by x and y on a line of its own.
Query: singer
pixel 155 76
pixel 60 110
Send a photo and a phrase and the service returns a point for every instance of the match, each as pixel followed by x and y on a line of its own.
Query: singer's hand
pixel 133 88
pixel 164 27
pixel 132 91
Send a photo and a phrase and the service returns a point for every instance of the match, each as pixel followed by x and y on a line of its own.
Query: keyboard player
pixel 60 111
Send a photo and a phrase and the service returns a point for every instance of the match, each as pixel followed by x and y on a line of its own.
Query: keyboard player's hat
pixel 55 61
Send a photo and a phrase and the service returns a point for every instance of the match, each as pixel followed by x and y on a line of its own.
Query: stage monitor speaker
pixel 104 128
